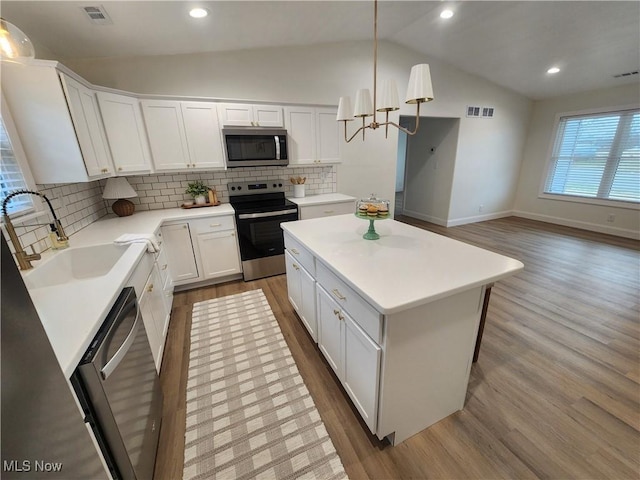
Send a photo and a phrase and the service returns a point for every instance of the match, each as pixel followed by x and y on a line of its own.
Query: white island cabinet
pixel 386 309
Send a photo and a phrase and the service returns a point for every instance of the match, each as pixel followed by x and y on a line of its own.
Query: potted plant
pixel 198 191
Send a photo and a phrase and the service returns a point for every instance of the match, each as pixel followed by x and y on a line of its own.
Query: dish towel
pixel 148 238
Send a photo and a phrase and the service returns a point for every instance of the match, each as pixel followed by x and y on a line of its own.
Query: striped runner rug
pixel 249 414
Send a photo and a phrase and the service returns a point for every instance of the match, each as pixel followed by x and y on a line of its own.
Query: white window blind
pixel 597 156
pixel 11 177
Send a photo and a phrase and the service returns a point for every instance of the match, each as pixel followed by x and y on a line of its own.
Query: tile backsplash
pixel 167 190
pixel 80 204
pixel 76 205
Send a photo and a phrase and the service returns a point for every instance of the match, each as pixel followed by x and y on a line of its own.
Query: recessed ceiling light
pixel 446 14
pixel 553 70
pixel 198 12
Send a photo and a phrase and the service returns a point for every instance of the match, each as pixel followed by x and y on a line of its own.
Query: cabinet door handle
pixel 164 267
pixel 337 312
pixel 295 252
pixel 215 225
pixel 150 288
pixel 295 266
pixel 119 169
pixel 337 293
pixel 184 226
pixel 328 211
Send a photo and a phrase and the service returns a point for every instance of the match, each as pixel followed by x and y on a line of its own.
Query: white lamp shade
pixel 118 187
pixel 363 107
pixel 14 44
pixel 420 88
pixel 345 112
pixel 389 101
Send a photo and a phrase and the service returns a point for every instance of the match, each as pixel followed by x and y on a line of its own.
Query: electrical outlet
pixel 480 208
pixel 611 218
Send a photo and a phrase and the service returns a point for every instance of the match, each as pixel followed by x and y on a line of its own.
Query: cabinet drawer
pixel 301 254
pixel 367 317
pixel 326 210
pixel 139 277
pixel 212 224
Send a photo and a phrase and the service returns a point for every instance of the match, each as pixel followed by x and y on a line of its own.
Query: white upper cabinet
pixel 247 115
pixel 301 129
pixel 61 131
pixel 183 135
pixel 87 121
pixel 167 138
pixel 125 133
pixel 204 137
pixel 328 138
pixel 313 135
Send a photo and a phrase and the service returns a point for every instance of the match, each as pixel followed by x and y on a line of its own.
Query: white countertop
pixel 321 199
pixel 108 228
pixel 406 267
pixel 72 313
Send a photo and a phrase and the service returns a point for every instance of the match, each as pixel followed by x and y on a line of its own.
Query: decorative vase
pixel 200 200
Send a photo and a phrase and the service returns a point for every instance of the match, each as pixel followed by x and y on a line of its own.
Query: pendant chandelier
pixel 14 44
pixel 419 90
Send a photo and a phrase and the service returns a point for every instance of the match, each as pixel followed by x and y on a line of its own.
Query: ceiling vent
pixel 473 111
pixel 626 74
pixel 97 15
pixel 487 112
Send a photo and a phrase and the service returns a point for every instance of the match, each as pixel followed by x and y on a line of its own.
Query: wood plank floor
pixel 555 393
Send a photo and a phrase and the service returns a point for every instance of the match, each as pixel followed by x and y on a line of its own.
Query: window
pixel 11 177
pixel 597 156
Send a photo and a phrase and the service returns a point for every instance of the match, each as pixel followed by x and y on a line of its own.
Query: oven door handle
pixel 246 216
pixel 277 139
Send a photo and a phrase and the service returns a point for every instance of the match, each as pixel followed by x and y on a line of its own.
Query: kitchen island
pixel 396 318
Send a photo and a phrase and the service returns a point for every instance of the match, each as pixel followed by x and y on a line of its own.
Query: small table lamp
pixel 118 187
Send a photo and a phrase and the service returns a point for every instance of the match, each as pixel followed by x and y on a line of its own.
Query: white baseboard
pixel 593 227
pixel 427 218
pixel 478 218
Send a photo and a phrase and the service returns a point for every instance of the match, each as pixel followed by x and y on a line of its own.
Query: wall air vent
pixel 626 74
pixel 487 112
pixel 97 15
pixel 473 111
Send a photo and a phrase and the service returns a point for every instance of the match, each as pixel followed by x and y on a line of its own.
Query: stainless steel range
pixel 260 209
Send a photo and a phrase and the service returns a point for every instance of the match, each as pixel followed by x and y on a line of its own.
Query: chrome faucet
pixel 25 259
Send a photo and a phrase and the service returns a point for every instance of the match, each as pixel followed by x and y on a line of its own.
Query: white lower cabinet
pixel 218 253
pixel 326 209
pixel 346 328
pixel 301 287
pixel 165 277
pixel 179 250
pixel 201 249
pixel 352 354
pixel 155 314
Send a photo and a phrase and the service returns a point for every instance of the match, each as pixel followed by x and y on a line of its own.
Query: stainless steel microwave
pixel 255 147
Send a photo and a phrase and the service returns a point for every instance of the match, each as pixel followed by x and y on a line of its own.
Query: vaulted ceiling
pixel 509 43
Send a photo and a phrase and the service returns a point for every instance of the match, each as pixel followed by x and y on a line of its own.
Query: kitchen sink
pixel 75 264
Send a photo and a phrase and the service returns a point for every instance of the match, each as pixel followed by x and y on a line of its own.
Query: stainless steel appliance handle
pixel 277 139
pixel 113 363
pixel 245 216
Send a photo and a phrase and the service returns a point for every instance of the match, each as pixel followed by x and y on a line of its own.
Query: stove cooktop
pixel 261 196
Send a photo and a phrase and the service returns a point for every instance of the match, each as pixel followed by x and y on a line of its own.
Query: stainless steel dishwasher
pixel 119 389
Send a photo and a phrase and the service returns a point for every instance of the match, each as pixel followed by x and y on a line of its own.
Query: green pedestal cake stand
pixel 371 234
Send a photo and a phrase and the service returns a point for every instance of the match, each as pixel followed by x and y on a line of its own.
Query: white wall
pixel 430 173
pixel 540 136
pixel 489 151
